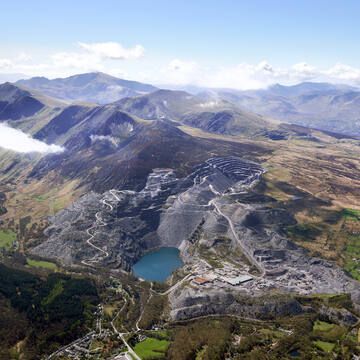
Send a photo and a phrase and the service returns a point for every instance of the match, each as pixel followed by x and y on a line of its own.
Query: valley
pixel 261 217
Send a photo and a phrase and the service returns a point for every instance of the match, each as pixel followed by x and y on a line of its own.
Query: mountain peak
pixel 95 87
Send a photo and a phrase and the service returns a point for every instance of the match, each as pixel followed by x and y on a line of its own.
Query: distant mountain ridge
pixel 308 87
pixel 93 87
pixel 323 106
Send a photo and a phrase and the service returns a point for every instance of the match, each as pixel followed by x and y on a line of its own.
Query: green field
pixel 351 213
pixel 304 232
pixel 352 256
pixel 352 248
pixel 152 348
pixel 324 346
pixel 322 326
pixel 41 264
pixel 7 238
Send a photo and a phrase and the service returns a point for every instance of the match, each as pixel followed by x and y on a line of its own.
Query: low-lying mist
pixel 16 140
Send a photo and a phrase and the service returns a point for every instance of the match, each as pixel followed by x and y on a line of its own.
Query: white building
pixel 236 280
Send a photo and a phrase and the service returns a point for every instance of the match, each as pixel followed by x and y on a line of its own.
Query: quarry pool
pixel 158 265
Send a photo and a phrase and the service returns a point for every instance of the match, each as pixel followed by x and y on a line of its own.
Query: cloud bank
pixel 254 76
pixel 84 57
pixel 113 50
pixel 115 59
pixel 18 141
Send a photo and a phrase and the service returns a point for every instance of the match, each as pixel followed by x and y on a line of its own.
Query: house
pixel 201 281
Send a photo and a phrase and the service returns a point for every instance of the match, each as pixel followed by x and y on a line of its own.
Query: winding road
pixel 172 288
pixel 99 222
pixel 122 335
pixel 245 251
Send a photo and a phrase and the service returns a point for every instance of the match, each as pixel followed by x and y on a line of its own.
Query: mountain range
pixel 90 87
pixel 322 106
pixel 219 116
pixel 259 205
pixel 121 140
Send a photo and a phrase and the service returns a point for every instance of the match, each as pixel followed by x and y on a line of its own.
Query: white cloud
pixel 343 72
pixel 304 68
pixel 107 138
pixel 113 50
pixel 87 57
pixel 242 76
pixel 265 67
pixel 16 140
pixel 180 72
pixel 83 61
pixel 182 66
pixel 253 76
pixel 23 57
pixel 5 64
pixel 106 56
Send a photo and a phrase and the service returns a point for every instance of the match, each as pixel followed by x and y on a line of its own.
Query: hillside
pixel 213 115
pixel 264 216
pixel 16 103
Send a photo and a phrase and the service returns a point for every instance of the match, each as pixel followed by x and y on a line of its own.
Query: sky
pixel 239 44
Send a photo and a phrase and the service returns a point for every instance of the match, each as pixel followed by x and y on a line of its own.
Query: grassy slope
pixel 41 264
pixel 322 326
pixel 152 348
pixel 324 345
pixel 7 237
pixel 351 254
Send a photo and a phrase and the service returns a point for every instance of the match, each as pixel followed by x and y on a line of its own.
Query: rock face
pixel 339 316
pixel 67 233
pixel 211 216
pixel 3 209
pixel 113 229
pixel 116 228
pixel 191 303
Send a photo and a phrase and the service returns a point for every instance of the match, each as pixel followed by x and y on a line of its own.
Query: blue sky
pixel 241 43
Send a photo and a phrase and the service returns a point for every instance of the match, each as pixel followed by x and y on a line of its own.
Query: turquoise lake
pixel 158 265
